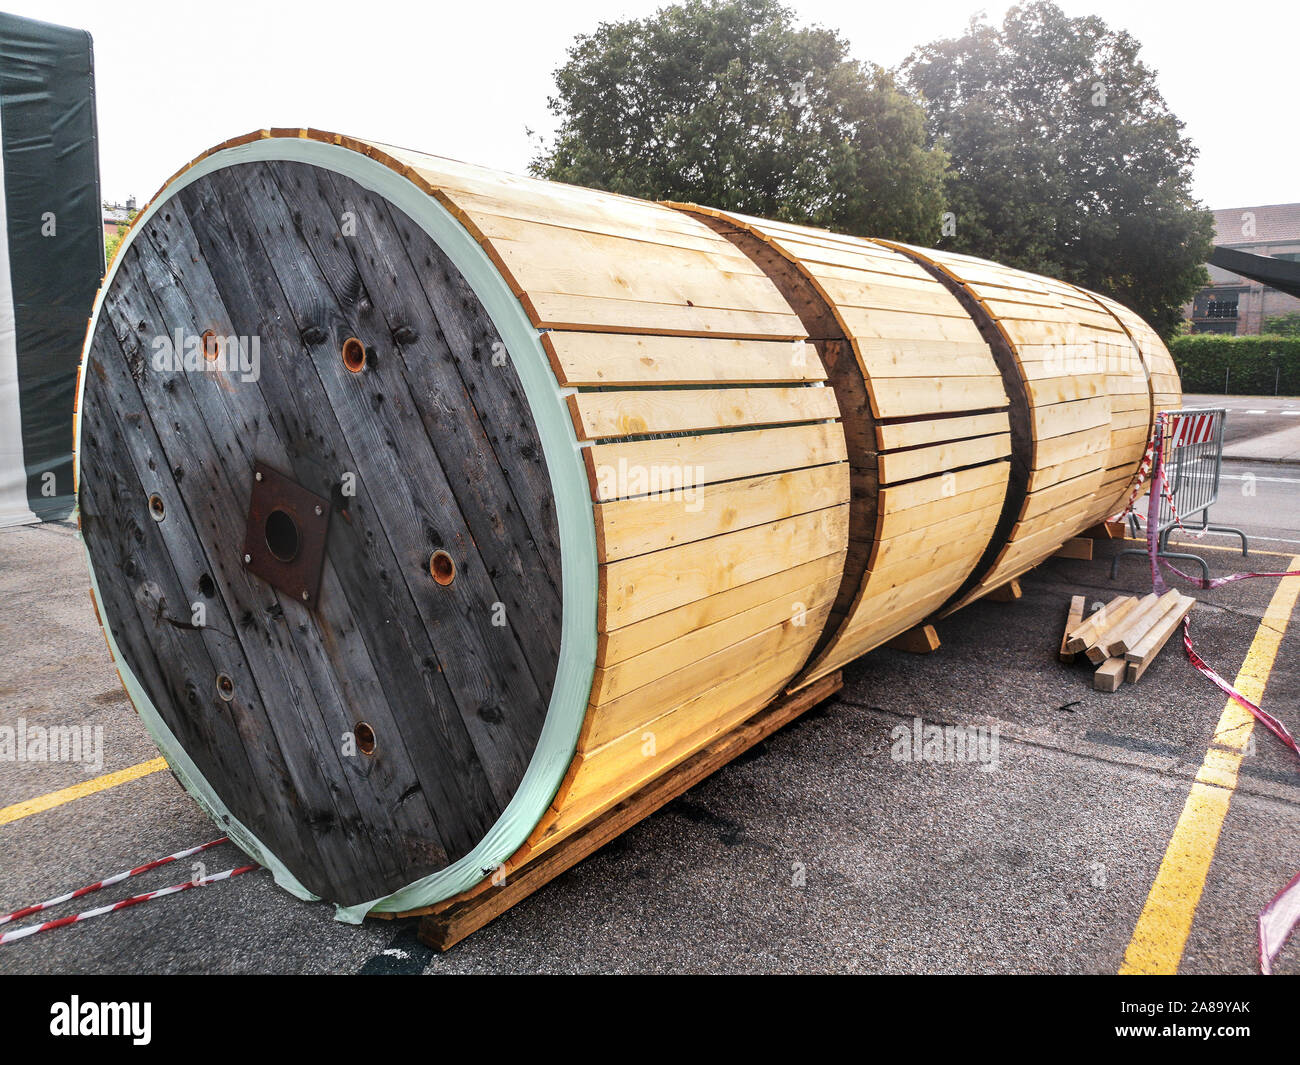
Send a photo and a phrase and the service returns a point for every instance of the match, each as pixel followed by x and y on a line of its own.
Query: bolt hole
pixel 442 568
pixel 282 538
pixel 157 509
pixel 211 345
pixel 225 687
pixel 354 354
pixel 365 738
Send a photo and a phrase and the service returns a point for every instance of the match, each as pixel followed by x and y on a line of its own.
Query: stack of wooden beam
pixel 1122 637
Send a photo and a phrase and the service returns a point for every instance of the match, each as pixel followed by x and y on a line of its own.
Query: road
pixel 820 851
pixel 1260 486
pixel 1261 428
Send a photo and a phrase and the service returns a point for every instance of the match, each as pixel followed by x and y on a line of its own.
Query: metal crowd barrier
pixel 1192 446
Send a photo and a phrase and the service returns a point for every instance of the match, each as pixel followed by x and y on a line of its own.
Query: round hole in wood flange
pixel 157 509
pixel 442 568
pixel 225 687
pixel 211 345
pixel 365 737
pixel 282 538
pixel 354 354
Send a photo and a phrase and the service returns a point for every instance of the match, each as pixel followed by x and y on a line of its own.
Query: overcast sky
pixel 469 79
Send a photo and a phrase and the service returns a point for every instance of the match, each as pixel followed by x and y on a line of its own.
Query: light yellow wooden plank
pixel 793 584
pixel 880 295
pixel 599 213
pixel 604 776
pixel 1056 450
pixel 928 359
pixel 1065 389
pixel 1062 419
pixel 835 254
pixel 966 527
pixel 640 587
pixel 936 430
pixel 882 597
pixel 636 412
pixel 620 678
pixel 882 627
pixel 641 467
pixel 894 523
pixel 545 258
pixel 629 359
pixel 621 711
pixel 906 325
pixel 550 310
pixel 900 498
pixel 902 397
pixel 629 527
pixel 923 461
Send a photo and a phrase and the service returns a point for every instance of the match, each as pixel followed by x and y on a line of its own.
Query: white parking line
pixel 1255 477
pixel 1197 533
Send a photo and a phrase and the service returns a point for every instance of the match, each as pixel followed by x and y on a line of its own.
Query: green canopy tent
pixel 51 257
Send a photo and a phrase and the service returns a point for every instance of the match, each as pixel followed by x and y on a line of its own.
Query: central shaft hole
pixel 282 535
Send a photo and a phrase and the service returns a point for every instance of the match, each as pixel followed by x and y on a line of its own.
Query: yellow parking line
pixel 77 791
pixel 1161 934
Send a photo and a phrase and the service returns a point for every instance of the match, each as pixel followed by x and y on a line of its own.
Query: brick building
pixel 116 214
pixel 1237 305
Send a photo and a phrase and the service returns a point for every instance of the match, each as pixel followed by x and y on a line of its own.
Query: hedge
pixel 1238 366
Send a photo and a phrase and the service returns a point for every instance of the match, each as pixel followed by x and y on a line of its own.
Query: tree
pixel 110 245
pixel 727 103
pixel 1283 325
pixel 1065 159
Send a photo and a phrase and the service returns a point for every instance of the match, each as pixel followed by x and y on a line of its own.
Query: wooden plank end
pixel 920 640
pixel 1078 603
pixel 1079 547
pixel 1006 593
pixel 1109 675
pixel 1106 530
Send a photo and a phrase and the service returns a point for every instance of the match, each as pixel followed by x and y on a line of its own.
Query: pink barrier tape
pixel 1262 716
pixel 116 878
pixel 1276 921
pixel 1144 469
pixel 1280 916
pixel 134 900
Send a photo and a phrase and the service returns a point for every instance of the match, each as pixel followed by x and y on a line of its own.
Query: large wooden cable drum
pixel 925 418
pixel 1082 406
pixel 432 512
pixel 584 502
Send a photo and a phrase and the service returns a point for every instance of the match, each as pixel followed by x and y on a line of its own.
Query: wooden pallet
pixel 447 923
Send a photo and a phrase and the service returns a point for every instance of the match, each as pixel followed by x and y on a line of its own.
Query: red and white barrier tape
pixel 134 900
pixel 1144 468
pixel 1281 915
pixel 116 878
pixel 1196 429
pixel 1261 715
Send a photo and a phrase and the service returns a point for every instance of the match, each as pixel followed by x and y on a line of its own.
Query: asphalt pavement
pixel 824 849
